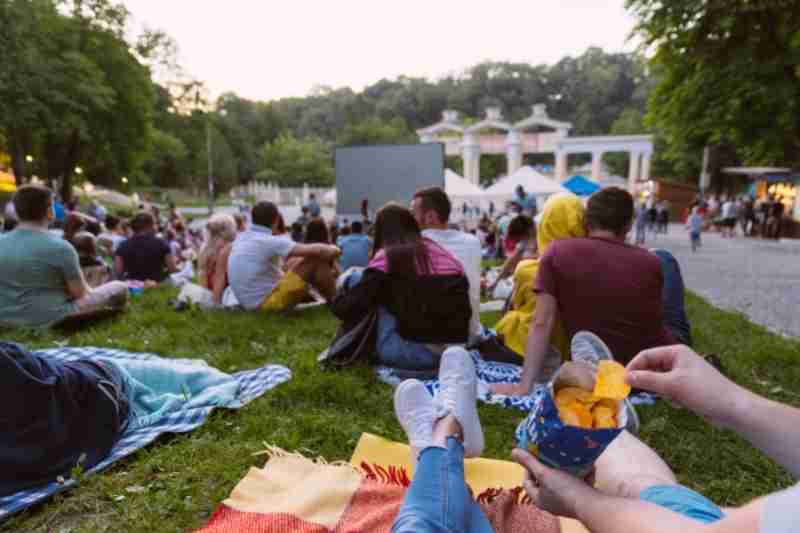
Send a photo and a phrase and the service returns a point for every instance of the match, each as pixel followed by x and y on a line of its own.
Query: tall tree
pixel 728 71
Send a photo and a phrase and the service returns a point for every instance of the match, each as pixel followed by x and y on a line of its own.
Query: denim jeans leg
pixel 397 352
pixel 672 297
pixel 438 500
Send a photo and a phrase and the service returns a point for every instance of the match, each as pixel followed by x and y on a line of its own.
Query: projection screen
pixel 385 173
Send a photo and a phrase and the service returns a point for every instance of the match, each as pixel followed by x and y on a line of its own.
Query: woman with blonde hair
pixel 562 218
pixel 213 260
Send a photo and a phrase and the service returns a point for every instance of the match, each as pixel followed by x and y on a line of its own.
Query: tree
pixel 292 162
pixel 374 131
pixel 71 90
pixel 727 72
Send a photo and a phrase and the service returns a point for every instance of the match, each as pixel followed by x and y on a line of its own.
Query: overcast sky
pixel 265 49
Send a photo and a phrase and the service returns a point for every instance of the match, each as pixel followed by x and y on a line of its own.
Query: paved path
pixel 759 278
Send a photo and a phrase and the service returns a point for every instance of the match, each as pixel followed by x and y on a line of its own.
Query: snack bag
pixel 576 416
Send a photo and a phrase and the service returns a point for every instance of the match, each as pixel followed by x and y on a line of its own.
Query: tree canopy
pixel 76 90
pixel 728 73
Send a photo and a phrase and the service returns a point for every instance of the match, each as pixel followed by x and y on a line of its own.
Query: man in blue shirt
pixel 527 203
pixel 313 206
pixel 355 247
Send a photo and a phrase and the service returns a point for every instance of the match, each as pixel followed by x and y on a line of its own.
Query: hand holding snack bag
pixel 577 416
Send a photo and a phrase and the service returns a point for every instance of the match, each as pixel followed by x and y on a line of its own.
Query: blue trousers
pixel 672 298
pixel 394 350
pixel 438 500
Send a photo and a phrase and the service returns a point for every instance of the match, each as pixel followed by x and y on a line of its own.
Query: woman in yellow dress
pixel 562 218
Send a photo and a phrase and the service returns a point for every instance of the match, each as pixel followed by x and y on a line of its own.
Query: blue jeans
pixel 394 350
pixel 438 500
pixel 672 294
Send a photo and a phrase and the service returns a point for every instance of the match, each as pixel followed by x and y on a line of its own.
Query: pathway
pixel 758 278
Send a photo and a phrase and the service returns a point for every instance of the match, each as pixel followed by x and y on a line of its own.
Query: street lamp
pixel 78 170
pixel 124 180
pixel 209 151
pixel 29 158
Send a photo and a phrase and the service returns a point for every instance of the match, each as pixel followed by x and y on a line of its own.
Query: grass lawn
pixel 323 413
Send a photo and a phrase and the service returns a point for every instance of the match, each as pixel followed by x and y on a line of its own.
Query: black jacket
pixel 432 309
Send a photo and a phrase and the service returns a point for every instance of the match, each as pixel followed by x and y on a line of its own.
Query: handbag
pixel 351 345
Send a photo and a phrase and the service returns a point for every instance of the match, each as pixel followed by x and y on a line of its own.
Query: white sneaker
pixel 416 412
pixel 588 348
pixel 458 393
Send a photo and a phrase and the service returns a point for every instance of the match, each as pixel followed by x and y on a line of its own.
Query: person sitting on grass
pixel 114 236
pixel 418 289
pixel 41 282
pixel 638 485
pixel 562 218
pixel 431 208
pixel 213 260
pixel 144 257
pixel 255 275
pixel 355 247
pixel 95 270
pixel 630 297
pixel 316 232
pixel 522 238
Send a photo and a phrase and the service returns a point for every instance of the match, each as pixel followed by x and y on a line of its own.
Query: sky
pixel 268 49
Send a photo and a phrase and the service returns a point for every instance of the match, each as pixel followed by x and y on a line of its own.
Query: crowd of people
pixel 410 285
pixel 762 217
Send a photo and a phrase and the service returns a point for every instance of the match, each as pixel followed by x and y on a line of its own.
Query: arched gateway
pixel 470 143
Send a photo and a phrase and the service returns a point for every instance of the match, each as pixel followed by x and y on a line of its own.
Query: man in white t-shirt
pixel 431 208
pixel 254 266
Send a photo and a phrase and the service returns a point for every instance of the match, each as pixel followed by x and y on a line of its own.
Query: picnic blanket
pixel 490 373
pixel 293 493
pixel 155 414
pixel 382 458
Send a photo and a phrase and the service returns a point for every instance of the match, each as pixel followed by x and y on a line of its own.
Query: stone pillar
pixel 646 166
pixel 561 166
pixel 597 162
pixel 513 152
pixel 633 171
pixel 471 151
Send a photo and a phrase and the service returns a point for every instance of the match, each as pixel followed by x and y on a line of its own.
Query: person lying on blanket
pixel 629 296
pixel 416 286
pixel 635 490
pixel 638 493
pixel 55 416
pixel 254 273
pixel 41 282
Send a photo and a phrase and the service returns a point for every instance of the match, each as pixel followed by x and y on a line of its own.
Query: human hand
pixel 509 389
pixel 551 490
pixel 678 374
pixel 331 252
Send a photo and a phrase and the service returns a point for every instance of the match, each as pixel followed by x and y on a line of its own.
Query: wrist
pixel 737 407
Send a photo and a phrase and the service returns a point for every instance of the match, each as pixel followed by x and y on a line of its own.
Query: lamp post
pixel 210 153
pixel 29 160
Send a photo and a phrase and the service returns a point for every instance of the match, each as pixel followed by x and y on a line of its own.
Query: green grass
pixel 181 479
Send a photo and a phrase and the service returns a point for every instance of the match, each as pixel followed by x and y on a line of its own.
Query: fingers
pixel 650 381
pixel 529 462
pixel 662 358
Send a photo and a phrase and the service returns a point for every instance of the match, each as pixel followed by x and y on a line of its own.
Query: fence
pixel 271 192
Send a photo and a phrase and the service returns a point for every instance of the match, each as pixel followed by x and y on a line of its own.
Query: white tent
pixel 456 186
pixel 535 184
pixel 613 181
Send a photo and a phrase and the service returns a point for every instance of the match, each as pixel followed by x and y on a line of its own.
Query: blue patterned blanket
pixel 491 373
pixel 181 419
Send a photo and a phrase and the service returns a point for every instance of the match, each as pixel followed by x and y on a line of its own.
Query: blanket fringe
pixel 276 452
pixel 393 475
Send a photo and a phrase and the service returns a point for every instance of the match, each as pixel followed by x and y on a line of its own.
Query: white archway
pixel 470 144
